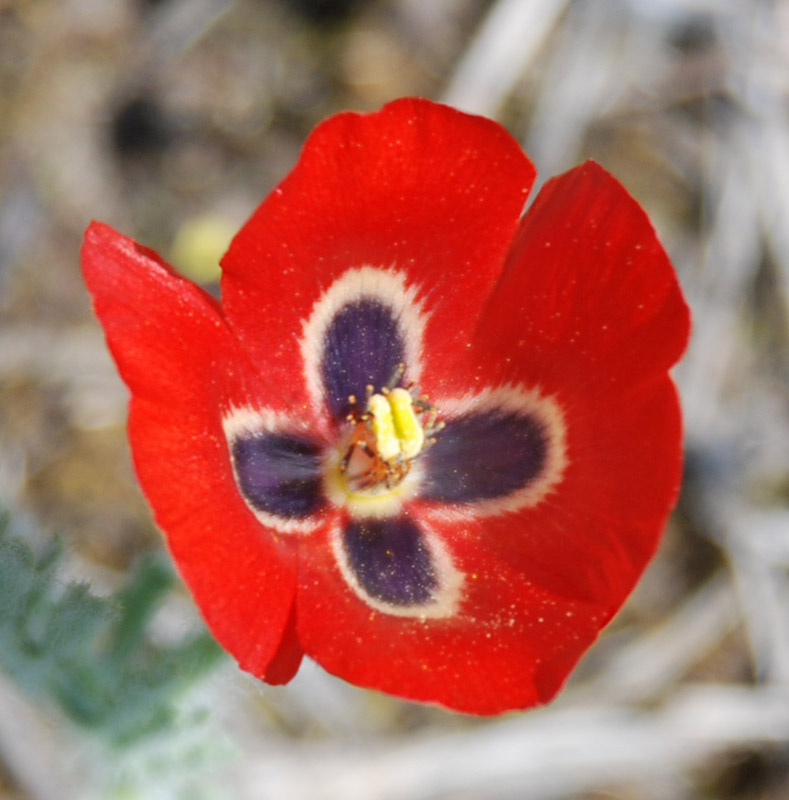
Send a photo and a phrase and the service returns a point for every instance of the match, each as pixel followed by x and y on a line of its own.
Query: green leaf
pixel 94 657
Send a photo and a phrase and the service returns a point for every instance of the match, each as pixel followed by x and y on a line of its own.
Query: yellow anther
pixel 407 427
pixel 395 425
pixel 383 425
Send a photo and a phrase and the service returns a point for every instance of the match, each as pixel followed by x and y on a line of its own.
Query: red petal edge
pixel 183 367
pixel 417 187
pixel 588 300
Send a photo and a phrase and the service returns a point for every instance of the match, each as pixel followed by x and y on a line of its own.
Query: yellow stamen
pixel 395 427
pixel 407 428
pixel 383 425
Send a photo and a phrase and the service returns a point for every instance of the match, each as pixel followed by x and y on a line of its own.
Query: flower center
pixel 395 427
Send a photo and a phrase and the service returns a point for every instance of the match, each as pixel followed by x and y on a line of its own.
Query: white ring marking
pixel 388 287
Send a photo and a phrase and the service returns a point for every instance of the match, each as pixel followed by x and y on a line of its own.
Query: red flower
pixel 469 565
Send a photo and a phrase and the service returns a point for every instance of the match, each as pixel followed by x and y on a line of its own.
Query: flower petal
pixel 589 310
pixel 501 644
pixel 590 539
pixel 588 296
pixel 287 658
pixel 499 450
pixel 365 330
pixel 279 474
pixel 482 456
pixel 278 468
pixel 362 348
pixel 417 188
pixel 184 369
pixel 389 560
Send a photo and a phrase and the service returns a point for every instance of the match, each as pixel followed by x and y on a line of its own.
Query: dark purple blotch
pixel 485 455
pixel 279 473
pixel 362 345
pixel 391 560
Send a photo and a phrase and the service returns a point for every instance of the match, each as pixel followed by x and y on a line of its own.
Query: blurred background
pixel 171 120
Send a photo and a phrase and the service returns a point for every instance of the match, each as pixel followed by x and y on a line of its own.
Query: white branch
pixel 544 753
pixel 500 53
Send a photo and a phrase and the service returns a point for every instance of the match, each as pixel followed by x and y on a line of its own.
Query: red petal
pixel 184 369
pixel 510 646
pixel 285 663
pixel 592 537
pixel 597 324
pixel 416 187
pixel 540 584
pixel 589 311
pixel 588 298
